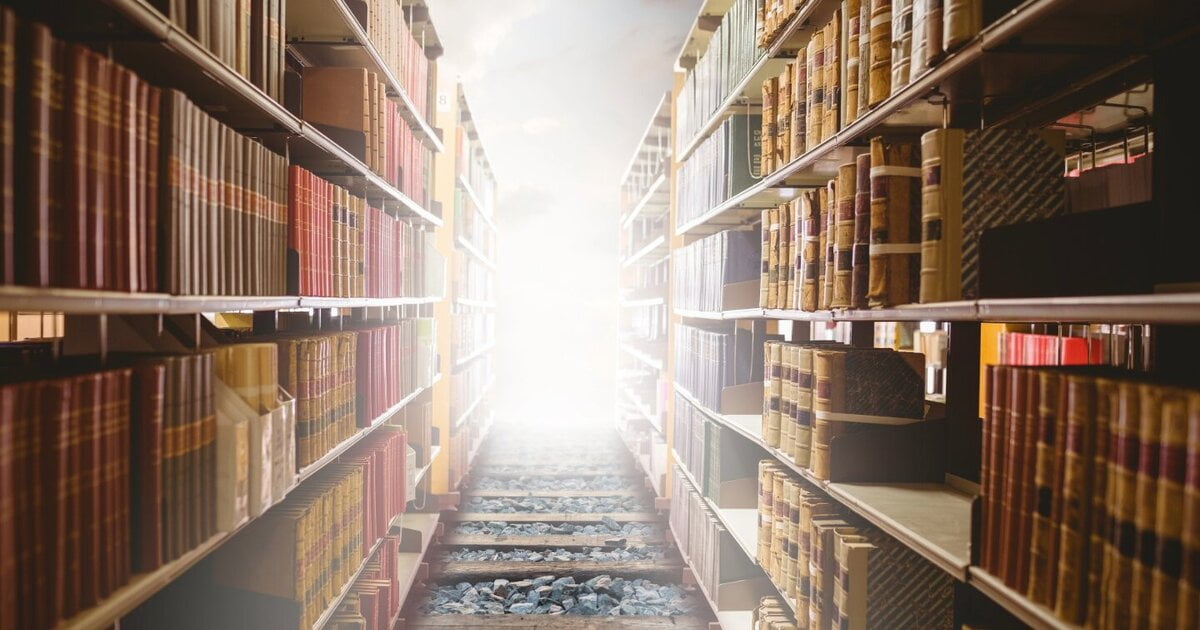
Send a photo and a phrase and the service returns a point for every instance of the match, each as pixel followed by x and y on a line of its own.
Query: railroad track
pixel 556 536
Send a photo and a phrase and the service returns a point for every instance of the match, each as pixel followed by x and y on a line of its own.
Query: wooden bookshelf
pixel 169 56
pixel 321 30
pixel 479 398
pixel 653 203
pixel 470 248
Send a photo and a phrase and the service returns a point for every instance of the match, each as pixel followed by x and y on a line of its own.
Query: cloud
pixel 540 125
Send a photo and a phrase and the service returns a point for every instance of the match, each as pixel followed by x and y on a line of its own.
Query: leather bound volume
pixel 802 408
pixel 1189 570
pixel 858 387
pixel 815 111
pixel 941 215
pixel 773 271
pixel 1077 486
pixel 37 167
pixel 1123 530
pixel 799 98
pixel 810 205
pixel 9 617
pixel 1002 381
pixel 786 245
pixel 833 76
pixel 879 78
pixel 1106 417
pixel 100 168
pixel 895 223
pixel 934 48
pixel 148 400
pixel 1025 409
pixel 843 248
pixel 791 299
pixel 787 404
pixel 986 490
pixel 783 117
pixel 773 392
pixel 902 43
pixel 829 235
pixel 852 10
pixel 8 199
pixel 1167 538
pixel 1050 427
pixel 961 21
pixel 920 35
pixel 864 56
pixel 1153 400
pixel 860 252
pixel 770 92
pixel 764 277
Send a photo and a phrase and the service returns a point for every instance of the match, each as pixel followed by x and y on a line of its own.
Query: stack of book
pixel 839 571
pixel 698 531
pixel 350 105
pixel 246 36
pixel 726 163
pixel 1089 488
pixel 705 267
pixel 390 30
pixel 732 52
pixel 375 597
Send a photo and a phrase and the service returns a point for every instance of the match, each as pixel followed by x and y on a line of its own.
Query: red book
pixel 1028 458
pixel 148 399
pixel 1012 477
pixel 55 425
pixel 99 170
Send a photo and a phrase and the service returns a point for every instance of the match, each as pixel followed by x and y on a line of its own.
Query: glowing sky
pixel 561 91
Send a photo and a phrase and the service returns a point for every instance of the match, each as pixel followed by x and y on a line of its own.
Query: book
pixel 731 157
pixel 879 77
pixel 810 211
pixel 799 98
pixel 968 189
pixel 709 360
pixel 894 268
pixel 732 51
pixel 860 253
pixel 852 13
pixel 815 89
pixel 843 246
pixel 1189 570
pixel 770 124
pixel 855 388
pixel 705 268
pixel 961 21
pixel 902 42
pixel 832 66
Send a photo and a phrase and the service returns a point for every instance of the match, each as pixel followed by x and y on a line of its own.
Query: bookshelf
pixel 1021 69
pixel 641 269
pixel 104 326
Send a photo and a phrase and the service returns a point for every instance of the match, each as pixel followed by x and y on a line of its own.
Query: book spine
pixel 811 210
pixel 902 42
pixel 860 253
pixel 1153 399
pixel 1101 493
pixel 941 215
pixel 824 241
pixel 852 9
pixel 773 269
pixel 1189 571
pixel 934 33
pixel 844 236
pixel 1122 476
pixel 764 278
pixel 1170 495
pixel 895 223
pixel 799 98
pixel 803 408
pixel 833 77
pixel 1076 497
pixel 961 21
pixel 815 72
pixel 786 245
pixel 879 77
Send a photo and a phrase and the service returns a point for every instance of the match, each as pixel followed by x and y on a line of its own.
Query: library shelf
pixel 656 246
pixel 345 590
pixel 655 198
pixel 433 455
pixel 1071 78
pixel 143 586
pixel 484 211
pixel 739 619
pixel 700 33
pixel 483 432
pixel 1035 615
pixel 643 461
pixel 483 392
pixel 649 301
pixel 741 523
pixel 651 362
pixel 88 301
pixel 410 562
pixel 644 412
pixel 328 32
pixel 168 56
pixel 1157 308
pixel 768 65
pixel 932 519
pixel 472 303
pixel 484 349
pixel 469 247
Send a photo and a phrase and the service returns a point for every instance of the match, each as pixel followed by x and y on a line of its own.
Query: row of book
pixel 473 167
pixel 464 440
pixel 175 455
pixel 641 233
pixel 704 268
pixel 350 106
pixel 468 386
pixel 868 50
pixel 306 550
pixel 1121 183
pixel 1090 495
pixel 723 165
pixel 470 225
pixel 697 530
pixel 773 15
pixel 707 360
pixel 814 391
pixel 390 31
pixel 839 571
pixel 246 35
pixel 688 437
pixel 646 323
pixel 374 600
pixel 878 237
pixel 649 280
pixel 473 280
pixel 473 331
pixel 339 246
pixel 772 613
pixel 732 52
pixel 1019 348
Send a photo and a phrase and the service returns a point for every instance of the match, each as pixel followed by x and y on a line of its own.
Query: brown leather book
pixel 1123 530
pixel 99 208
pixel 860 252
pixel 8 198
pixel 799 100
pixel 38 164
pixel 1106 418
pixel 1010 489
pixel 1077 488
pixel 1149 436
pixel 9 615
pixel 934 48
pixel 895 223
pixel 1189 571
pixel 148 412
pixel 815 71
pixel 843 246
pixel 987 472
pixel 785 254
pixel 770 97
pixel 1170 495
pixel 810 206
pixel 961 21
pixel 829 236
pixel 833 76
pixel 773 267
pixel 1023 503
pixel 879 78
pixel 852 9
